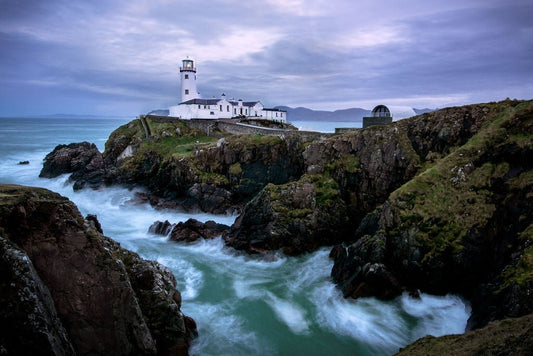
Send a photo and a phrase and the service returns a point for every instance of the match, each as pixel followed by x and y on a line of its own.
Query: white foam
pixel 224 333
pixel 190 279
pixel 437 315
pixel 290 313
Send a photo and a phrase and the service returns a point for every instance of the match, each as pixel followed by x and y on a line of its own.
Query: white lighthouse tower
pixel 188 81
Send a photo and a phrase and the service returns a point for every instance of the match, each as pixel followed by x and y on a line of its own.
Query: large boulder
pixel 295 217
pixel 83 160
pixel 109 300
pixel 192 230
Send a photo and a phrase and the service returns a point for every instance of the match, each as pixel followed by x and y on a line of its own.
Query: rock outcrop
pixel 192 230
pixel 359 169
pixel 181 164
pixel 71 290
pixel 161 228
pixel 462 225
pixel 83 160
pixel 504 337
pixel 295 217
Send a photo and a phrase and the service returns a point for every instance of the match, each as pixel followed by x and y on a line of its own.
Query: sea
pixel 243 305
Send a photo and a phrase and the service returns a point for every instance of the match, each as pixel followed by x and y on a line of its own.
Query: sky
pixel 122 57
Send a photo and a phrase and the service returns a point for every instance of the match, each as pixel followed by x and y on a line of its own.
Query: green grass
pixel 522 272
pixel 453 197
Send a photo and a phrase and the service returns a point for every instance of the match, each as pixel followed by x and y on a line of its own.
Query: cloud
pixel 322 53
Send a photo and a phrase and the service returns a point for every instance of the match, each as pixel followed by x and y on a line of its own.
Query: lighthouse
pixel 192 106
pixel 188 80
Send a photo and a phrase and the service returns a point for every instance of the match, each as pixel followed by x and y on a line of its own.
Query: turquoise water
pixel 242 305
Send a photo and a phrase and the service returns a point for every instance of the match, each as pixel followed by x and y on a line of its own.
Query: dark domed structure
pixel 380 115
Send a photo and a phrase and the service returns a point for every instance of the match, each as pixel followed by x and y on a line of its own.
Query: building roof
pixel 201 101
pixel 274 110
pixel 250 103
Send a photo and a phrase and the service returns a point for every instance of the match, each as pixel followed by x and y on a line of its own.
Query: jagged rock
pixel 108 299
pixel 295 217
pixel 91 218
pixel 29 320
pixel 161 228
pixel 208 198
pixel 192 230
pixel 83 160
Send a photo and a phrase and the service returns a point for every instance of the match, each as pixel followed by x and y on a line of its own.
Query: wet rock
pixel 161 228
pixel 29 318
pixel 192 230
pixel 295 218
pixel 91 218
pixel 82 160
pixel 108 299
pixel 208 198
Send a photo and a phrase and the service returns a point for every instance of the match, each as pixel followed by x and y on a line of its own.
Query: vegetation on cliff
pixel 460 225
pixel 439 202
pixel 504 337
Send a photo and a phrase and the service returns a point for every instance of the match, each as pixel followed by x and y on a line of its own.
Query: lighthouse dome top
pixel 381 111
pixel 187 64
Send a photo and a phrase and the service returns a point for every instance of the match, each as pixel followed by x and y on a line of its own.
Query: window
pixel 212 113
pixel 281 114
pixel 220 107
pixel 186 76
pixel 235 111
pixel 246 111
pixel 186 91
pixel 276 114
pixel 227 108
pixel 198 106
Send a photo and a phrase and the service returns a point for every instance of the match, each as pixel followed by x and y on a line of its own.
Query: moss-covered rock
pixel 457 224
pixel 295 217
pixel 505 337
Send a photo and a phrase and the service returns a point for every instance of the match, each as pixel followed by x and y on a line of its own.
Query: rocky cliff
pixel 347 177
pixel 180 165
pixel 463 224
pixel 67 289
pixel 440 202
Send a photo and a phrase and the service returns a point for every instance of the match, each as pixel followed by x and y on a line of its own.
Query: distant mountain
pixel 353 114
pixel 305 114
pixel 423 111
pixel 159 112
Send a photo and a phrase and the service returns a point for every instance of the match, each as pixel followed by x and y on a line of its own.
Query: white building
pixel 192 106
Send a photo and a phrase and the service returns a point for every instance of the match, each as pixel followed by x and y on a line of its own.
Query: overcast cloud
pixel 119 57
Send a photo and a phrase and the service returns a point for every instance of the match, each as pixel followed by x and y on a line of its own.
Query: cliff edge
pixel 67 289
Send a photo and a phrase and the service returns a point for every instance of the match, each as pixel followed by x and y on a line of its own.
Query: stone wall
pixel 341 130
pixel 234 127
pixel 371 121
